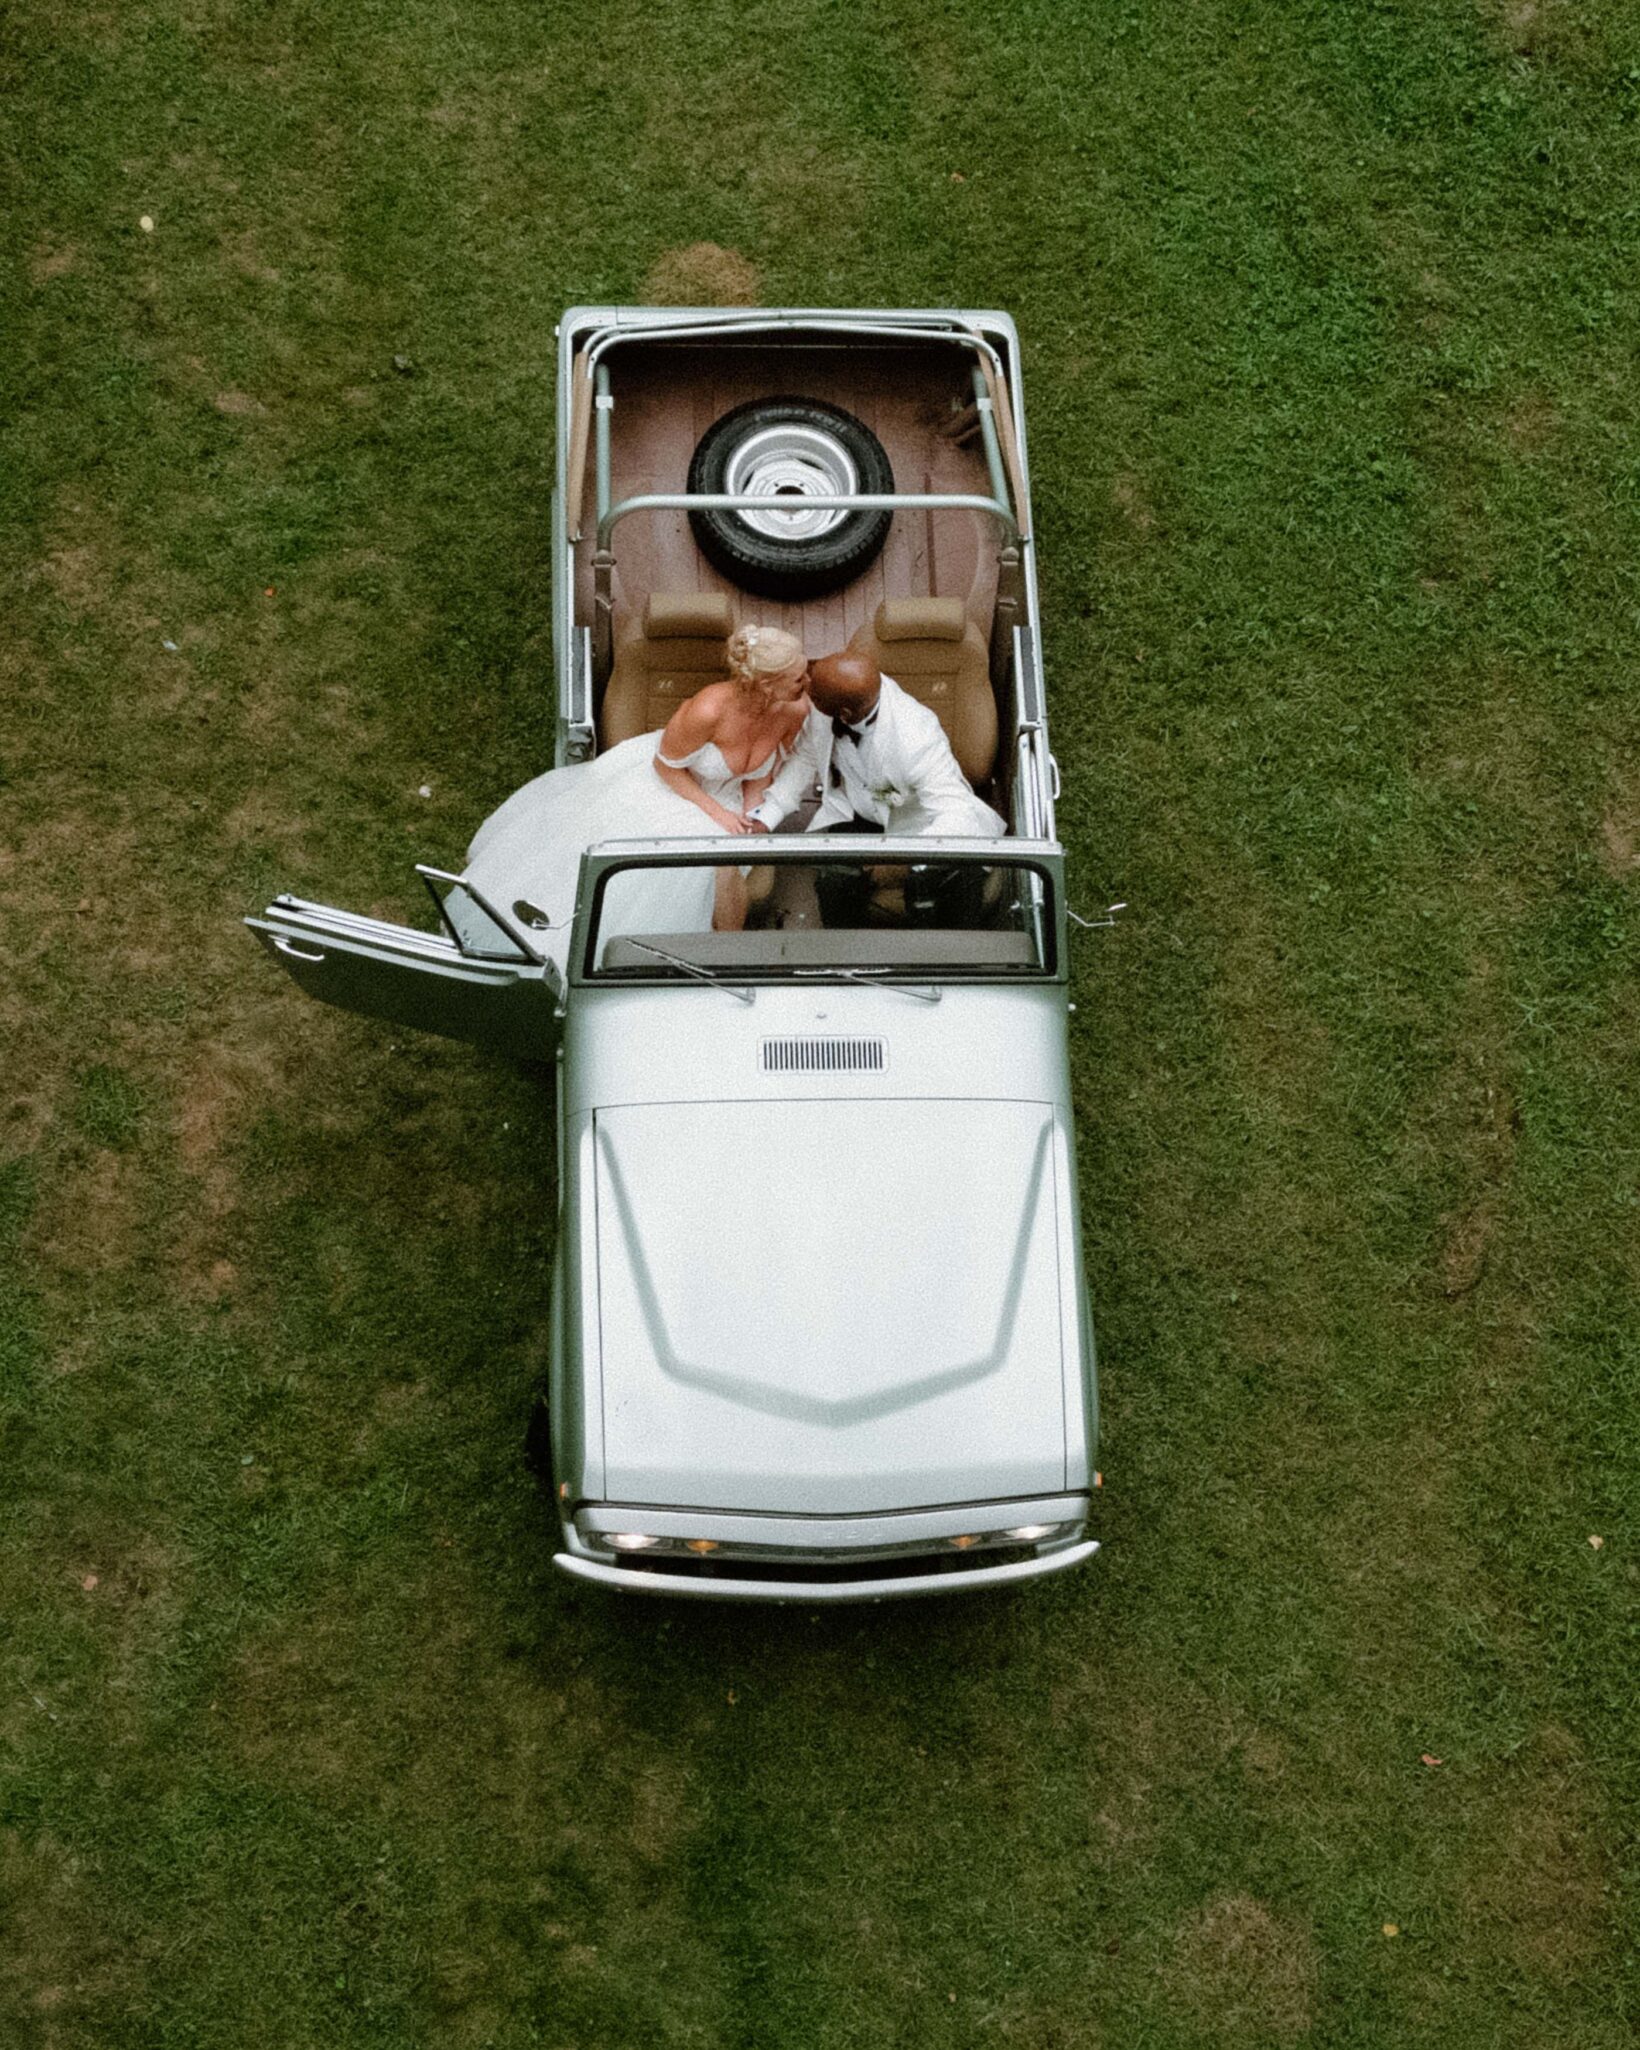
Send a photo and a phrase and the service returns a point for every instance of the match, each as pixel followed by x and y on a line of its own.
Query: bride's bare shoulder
pixel 708 708
pixel 698 718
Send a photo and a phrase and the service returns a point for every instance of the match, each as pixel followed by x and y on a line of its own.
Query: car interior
pixel 940 606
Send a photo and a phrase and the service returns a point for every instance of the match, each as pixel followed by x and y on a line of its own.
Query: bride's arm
pixel 764 802
pixel 690 727
pixel 793 779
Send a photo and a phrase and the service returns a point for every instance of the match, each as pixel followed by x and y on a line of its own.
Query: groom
pixel 882 761
pixel 884 766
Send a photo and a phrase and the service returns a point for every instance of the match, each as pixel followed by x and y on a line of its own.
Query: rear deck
pixel 666 395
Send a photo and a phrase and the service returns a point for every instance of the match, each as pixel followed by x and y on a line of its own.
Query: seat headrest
pixel 921 619
pixel 687 615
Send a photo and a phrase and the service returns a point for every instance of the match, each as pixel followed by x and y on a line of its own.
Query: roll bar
pixel 767 501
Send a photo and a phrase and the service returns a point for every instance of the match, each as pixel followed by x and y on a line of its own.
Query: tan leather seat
pixel 676 647
pixel 932 649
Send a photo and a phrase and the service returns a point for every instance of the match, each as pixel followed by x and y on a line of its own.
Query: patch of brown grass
pixel 87 567
pixel 242 252
pixel 289 1711
pixel 52 261
pixel 91 1217
pixel 1520 20
pixel 1463 1252
pixel 1132 501
pixel 1530 423
pixel 1034 2025
pixel 237 404
pixel 1619 847
pixel 1542 30
pixel 1490 1146
pixel 59 1960
pixel 261 818
pixel 1541 1893
pixel 137 1595
pixel 1246 1973
pixel 1264 1755
pixel 41 881
pixel 701 274
pixel 75 576
pixel 658 1811
pixel 1130 1744
pixel 215 1097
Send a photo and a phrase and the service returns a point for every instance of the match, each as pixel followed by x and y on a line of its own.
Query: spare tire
pixel 806 449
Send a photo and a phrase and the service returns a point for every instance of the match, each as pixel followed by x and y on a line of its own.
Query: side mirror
pixel 1093 924
pixel 532 915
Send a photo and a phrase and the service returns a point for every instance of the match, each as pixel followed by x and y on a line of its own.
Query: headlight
pixel 1021 1534
pixel 641 1541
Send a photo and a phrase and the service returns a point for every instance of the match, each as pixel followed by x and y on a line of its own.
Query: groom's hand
pixel 756 825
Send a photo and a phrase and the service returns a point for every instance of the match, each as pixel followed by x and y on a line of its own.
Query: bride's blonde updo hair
pixel 757 653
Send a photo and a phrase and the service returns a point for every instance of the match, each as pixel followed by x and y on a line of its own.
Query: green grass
pixel 1329 315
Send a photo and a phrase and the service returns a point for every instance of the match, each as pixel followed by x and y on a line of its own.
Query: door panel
pixel 417 979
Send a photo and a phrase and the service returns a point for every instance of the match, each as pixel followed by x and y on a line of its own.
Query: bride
pixel 709 767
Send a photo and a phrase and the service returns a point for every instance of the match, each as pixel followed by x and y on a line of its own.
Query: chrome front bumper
pixel 634 1580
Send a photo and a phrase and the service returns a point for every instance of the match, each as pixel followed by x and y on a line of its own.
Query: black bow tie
pixel 842 730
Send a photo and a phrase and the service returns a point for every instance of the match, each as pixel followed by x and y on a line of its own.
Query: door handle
pixel 295 952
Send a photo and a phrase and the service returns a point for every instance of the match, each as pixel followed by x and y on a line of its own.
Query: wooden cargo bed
pixel 668 394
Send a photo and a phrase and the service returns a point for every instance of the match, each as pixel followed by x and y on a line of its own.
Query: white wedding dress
pixel 531 846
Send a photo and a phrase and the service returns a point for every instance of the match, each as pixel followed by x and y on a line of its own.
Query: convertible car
pixel 820 1330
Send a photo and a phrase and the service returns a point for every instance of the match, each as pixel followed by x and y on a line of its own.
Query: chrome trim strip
pixel 812 847
pixel 404 942
pixel 841 1536
pixel 815 1593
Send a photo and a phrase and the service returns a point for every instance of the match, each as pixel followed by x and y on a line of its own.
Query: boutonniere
pixel 889 795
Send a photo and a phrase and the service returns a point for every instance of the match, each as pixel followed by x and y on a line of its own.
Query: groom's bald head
pixel 844 686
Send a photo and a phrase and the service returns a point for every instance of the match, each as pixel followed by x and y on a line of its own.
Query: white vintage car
pixel 820 1329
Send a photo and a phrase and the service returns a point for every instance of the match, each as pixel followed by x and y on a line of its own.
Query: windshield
pixel 844 917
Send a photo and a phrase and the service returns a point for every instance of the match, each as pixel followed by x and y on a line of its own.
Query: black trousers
pixel 936 893
pixel 845 893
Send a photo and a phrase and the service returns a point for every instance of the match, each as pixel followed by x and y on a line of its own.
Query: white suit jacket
pixel 912 783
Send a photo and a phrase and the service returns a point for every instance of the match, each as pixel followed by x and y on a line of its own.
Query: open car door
pixel 482 979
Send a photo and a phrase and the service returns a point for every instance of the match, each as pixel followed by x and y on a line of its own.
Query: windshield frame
pixel 608 858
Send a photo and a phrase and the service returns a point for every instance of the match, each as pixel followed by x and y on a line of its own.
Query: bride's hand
pixel 731 821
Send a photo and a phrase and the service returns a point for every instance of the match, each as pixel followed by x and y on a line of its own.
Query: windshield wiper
pixel 706 975
pixel 867 975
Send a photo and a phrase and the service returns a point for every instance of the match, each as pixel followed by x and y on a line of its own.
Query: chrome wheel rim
pixel 802 463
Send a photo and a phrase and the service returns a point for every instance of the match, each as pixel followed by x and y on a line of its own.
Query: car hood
pixel 829 1306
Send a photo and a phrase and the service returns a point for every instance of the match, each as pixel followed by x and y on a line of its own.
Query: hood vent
pixel 825 1056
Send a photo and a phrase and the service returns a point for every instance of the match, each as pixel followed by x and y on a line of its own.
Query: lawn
pixel 1329 313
